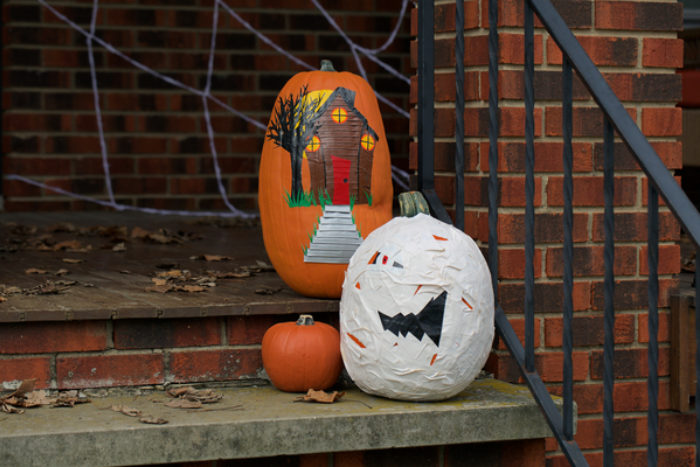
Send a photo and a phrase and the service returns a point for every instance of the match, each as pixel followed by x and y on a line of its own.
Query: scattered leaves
pixel 183 404
pixel 119 247
pixel 35 271
pixel 72 260
pixel 69 399
pixel 211 258
pixel 180 280
pixel 267 290
pixel 188 393
pixel 151 420
pixel 128 411
pixel 320 396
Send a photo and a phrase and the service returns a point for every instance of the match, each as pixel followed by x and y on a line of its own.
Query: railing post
pixel 426 95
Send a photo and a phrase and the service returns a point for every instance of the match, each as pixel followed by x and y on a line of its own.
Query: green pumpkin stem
pixel 305 320
pixel 327 65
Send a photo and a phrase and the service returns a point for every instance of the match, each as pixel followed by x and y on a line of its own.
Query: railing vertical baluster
pixel 697 357
pixel 529 189
pixel 426 94
pixel 493 145
pixel 567 337
pixel 459 117
pixel 609 293
pixel 653 353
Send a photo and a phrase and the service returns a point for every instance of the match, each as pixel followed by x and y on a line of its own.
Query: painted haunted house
pixel 325 130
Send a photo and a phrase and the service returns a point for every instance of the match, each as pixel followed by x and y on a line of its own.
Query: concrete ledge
pixel 269 424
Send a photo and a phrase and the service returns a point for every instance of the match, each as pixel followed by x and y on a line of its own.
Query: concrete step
pixel 260 422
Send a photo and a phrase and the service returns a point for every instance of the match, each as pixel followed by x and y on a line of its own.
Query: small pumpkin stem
pixel 305 320
pixel 327 65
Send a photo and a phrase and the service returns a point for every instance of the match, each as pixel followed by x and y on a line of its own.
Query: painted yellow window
pixel 313 145
pixel 339 115
pixel 367 142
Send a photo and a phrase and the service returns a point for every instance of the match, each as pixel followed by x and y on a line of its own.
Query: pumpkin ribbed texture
pixel 299 357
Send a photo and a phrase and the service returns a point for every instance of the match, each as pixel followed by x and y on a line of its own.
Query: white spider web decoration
pixel 207 98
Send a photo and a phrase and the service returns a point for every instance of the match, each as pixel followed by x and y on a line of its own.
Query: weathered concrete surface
pixel 268 423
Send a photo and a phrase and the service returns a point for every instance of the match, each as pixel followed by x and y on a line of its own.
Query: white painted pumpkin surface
pixel 416 313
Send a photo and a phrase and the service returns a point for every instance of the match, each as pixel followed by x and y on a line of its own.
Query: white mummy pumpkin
pixel 416 313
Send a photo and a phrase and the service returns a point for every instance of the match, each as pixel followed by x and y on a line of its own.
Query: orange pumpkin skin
pixel 286 229
pixel 302 355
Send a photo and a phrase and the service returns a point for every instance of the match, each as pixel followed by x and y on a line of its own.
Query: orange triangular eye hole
pixel 314 144
pixel 373 259
pixel 367 142
pixel 339 115
pixel 440 239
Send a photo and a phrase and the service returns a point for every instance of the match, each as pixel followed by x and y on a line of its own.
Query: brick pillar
pixel 636 47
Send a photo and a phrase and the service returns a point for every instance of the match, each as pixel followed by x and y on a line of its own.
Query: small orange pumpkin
pixel 325 178
pixel 301 356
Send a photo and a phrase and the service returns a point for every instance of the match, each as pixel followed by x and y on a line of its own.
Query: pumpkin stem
pixel 305 320
pixel 327 65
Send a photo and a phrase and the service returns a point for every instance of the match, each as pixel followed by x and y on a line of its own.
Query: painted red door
pixel 341 180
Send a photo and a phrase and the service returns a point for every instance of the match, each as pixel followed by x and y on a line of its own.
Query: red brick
pixel 663 331
pixel 588 191
pixel 550 365
pixel 547 296
pixel 589 330
pixel 214 365
pixel 20 369
pixel 629 363
pixel 249 330
pixel 632 227
pixel 604 51
pixel 511 263
pixel 74 336
pixel 166 333
pixel 662 53
pixel 548 228
pixel 669 259
pixel 635 16
pixel 590 261
pixel 518 325
pixel 633 396
pixel 662 121
pixel 626 432
pixel 109 370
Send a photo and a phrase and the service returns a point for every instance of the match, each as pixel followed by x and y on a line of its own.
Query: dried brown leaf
pixel 2 299
pixel 129 411
pixel 159 281
pixel 70 245
pixel 182 403
pixel 205 396
pixel 37 398
pixel 173 274
pixel 177 392
pixel 320 396
pixel 119 247
pixel 160 238
pixel 72 260
pixel 25 386
pixel 230 275
pixel 217 258
pixel 138 232
pixel 7 408
pixel 62 227
pixel 151 420
pixel 35 271
pixel 191 288
pixel 160 288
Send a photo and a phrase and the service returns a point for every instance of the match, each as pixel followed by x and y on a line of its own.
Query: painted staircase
pixel 336 238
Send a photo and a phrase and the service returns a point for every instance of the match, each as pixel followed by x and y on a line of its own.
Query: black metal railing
pixel 616 119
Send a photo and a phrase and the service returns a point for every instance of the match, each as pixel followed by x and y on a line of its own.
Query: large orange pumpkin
pixel 325 178
pixel 301 356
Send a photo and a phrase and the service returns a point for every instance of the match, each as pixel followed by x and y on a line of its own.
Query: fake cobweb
pixel 208 99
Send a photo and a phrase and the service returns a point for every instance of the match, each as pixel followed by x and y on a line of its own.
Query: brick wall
pixel 155 133
pixel 134 352
pixel 635 45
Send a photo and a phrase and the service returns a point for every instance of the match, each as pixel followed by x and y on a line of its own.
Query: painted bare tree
pixel 291 127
